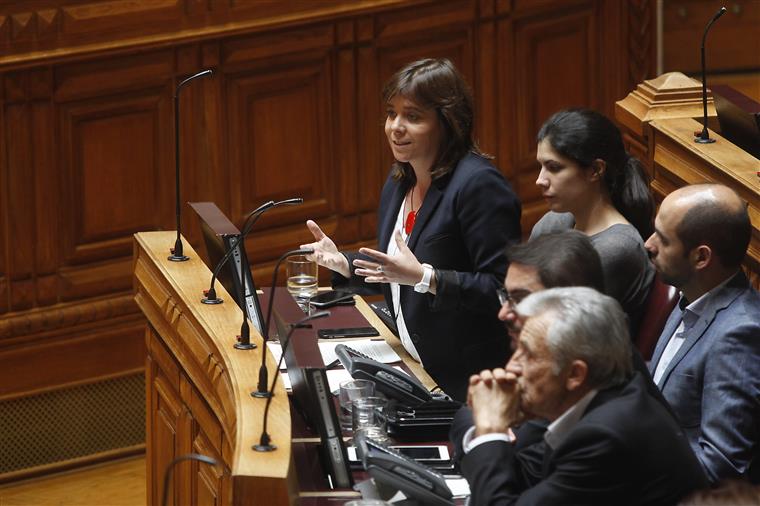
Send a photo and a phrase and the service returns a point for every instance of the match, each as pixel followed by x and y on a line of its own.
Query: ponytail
pixel 631 196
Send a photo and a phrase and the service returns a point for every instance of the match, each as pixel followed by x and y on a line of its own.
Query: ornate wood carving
pixel 641 41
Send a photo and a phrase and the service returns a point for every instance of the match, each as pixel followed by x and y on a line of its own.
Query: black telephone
pixel 415 480
pixel 393 383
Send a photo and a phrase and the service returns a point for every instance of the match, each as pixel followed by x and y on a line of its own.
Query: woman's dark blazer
pixel 463 227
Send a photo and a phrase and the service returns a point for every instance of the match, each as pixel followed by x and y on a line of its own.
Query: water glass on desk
pixel 350 390
pixel 369 418
pixel 302 280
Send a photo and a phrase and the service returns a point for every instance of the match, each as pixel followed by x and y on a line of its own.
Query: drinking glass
pixel 369 418
pixel 350 390
pixel 302 280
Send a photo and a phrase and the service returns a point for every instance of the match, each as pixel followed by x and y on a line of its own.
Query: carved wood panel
pixel 210 484
pixel 181 423
pixel 275 158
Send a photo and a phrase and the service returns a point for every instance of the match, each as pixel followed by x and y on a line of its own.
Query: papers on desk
pixel 276 350
pixel 375 349
pixel 334 378
pixel 457 484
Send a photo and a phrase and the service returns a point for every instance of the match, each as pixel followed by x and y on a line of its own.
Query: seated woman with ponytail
pixel 593 185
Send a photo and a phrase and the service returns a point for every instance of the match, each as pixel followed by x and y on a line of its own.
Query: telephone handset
pixel 392 382
pixel 415 480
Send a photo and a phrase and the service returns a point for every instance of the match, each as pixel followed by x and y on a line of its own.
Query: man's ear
pixel 598 168
pixel 576 376
pixel 701 256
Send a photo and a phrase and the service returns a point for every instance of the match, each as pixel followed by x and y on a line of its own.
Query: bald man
pixel 707 359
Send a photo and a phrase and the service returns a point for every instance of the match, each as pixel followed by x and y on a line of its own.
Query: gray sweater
pixel 628 273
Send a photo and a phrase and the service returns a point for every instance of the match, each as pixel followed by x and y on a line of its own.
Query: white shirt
pixel 554 435
pixel 689 317
pixel 393 250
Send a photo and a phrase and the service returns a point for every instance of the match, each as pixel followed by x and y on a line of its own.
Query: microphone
pixel 182 458
pixel 265 443
pixel 252 217
pixel 261 388
pixel 704 137
pixel 177 255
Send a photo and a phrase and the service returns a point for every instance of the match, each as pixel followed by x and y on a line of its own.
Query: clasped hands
pixel 403 268
pixel 494 397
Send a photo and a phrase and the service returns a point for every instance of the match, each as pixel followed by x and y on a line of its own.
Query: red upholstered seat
pixel 661 301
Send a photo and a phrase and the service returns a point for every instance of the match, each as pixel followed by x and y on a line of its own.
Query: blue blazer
pixel 713 382
pixel 462 229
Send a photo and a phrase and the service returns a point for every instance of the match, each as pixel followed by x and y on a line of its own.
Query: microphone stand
pixel 261 388
pixel 169 468
pixel 177 254
pixel 265 443
pixel 704 137
pixel 210 294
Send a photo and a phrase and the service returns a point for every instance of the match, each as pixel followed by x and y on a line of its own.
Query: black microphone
pixel 182 458
pixel 261 388
pixel 704 137
pixel 265 443
pixel 177 255
pixel 210 294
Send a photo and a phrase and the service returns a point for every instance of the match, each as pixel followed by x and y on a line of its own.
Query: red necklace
pixel 411 217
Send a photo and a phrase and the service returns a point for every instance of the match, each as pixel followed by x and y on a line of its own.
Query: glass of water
pixel 302 280
pixel 369 418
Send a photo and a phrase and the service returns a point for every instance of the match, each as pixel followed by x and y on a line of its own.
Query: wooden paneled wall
pixel 293 109
pixel 733 44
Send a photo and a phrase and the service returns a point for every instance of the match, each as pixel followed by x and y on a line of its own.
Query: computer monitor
pixel 739 118
pixel 219 234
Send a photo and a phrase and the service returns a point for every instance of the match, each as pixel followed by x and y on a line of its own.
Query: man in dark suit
pixel 534 266
pixel 609 442
pixel 707 360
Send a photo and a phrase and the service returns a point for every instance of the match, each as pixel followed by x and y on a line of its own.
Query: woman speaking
pixel 446 215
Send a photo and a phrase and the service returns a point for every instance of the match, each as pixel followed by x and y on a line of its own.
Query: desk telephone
pixel 392 382
pixel 415 480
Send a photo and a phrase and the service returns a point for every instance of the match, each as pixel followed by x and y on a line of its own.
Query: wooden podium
pixel 198 389
pixel 198 392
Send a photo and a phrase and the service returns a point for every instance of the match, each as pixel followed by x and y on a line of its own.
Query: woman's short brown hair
pixel 437 84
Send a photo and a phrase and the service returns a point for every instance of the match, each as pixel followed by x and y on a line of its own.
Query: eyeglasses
pixel 514 298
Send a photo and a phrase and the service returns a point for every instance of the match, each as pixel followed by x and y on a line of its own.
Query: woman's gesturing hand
pixel 326 253
pixel 404 268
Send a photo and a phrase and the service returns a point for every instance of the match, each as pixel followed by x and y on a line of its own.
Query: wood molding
pixel 89 28
pixel 671 95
